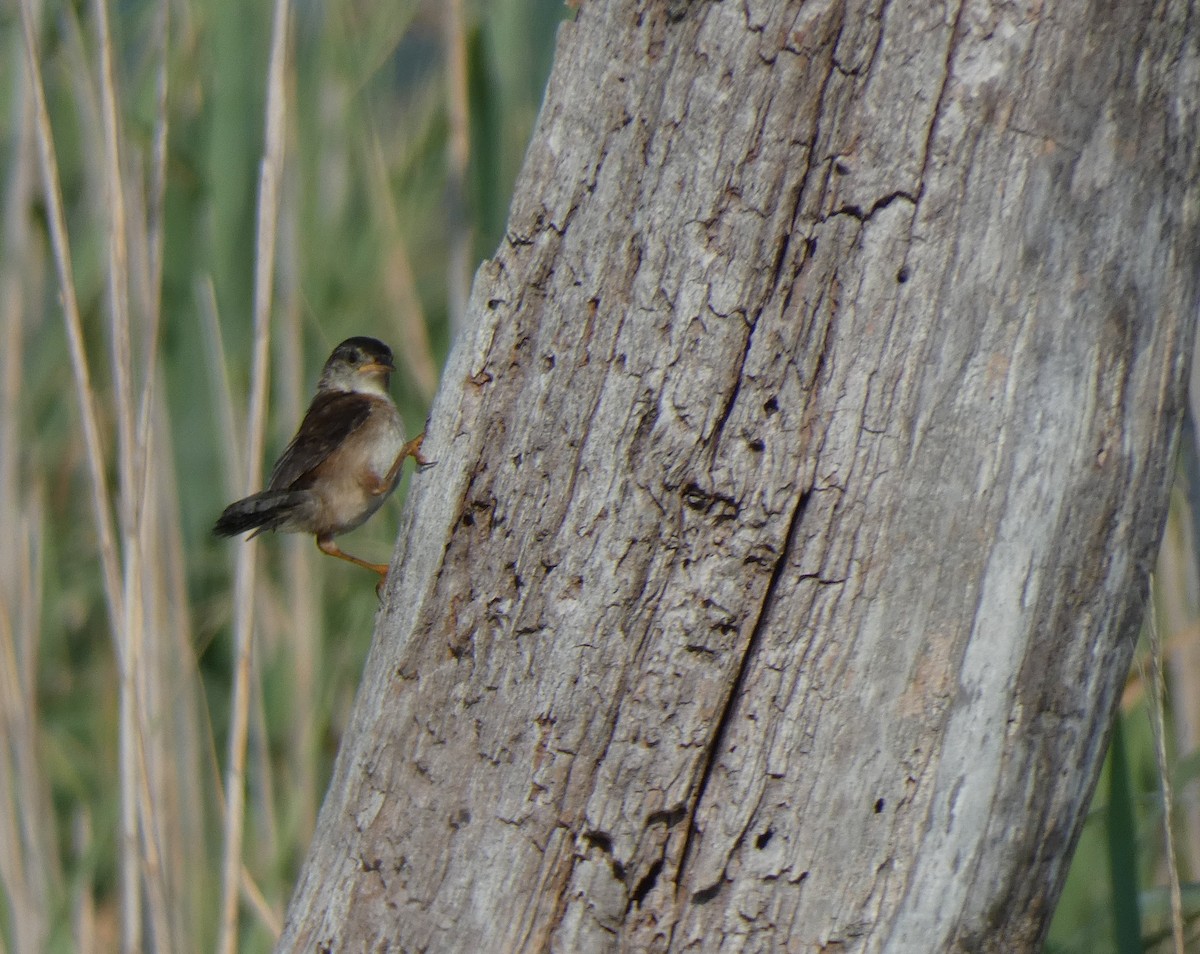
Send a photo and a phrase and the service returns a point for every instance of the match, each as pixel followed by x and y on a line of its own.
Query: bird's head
pixel 358 364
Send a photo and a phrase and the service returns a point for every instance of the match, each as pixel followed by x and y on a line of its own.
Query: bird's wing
pixel 330 419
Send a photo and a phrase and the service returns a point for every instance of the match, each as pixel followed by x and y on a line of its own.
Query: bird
pixel 343 462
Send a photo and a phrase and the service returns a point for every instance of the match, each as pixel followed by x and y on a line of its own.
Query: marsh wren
pixel 344 460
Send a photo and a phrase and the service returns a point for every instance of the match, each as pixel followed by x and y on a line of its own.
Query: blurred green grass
pixel 364 240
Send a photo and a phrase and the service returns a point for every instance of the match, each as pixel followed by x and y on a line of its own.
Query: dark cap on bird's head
pixel 357 364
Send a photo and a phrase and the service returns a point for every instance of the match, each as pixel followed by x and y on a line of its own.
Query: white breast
pixel 388 438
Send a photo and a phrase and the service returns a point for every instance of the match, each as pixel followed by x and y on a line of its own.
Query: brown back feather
pixel 331 418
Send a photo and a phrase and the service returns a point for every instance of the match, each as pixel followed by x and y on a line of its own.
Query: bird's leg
pixel 411 449
pixel 326 545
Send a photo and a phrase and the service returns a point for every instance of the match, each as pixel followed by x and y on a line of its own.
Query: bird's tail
pixel 262 511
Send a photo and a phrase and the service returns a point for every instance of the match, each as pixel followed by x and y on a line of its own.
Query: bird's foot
pixel 413 449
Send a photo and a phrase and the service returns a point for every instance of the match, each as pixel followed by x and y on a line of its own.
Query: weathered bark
pixel 796 494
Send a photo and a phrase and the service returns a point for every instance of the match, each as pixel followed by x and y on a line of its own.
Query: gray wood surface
pixel 798 485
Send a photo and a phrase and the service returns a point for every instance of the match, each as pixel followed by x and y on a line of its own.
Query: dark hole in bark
pixel 669 817
pixel 707 894
pixel 599 839
pixel 646 885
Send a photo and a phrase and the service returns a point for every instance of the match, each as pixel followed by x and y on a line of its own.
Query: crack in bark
pixel 810 241
pixel 856 211
pixel 940 101
pixel 669 817
pixel 822 111
pixel 863 70
pixel 727 408
pixel 711 757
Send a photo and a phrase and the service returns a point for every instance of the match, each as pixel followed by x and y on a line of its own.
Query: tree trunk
pixel 797 490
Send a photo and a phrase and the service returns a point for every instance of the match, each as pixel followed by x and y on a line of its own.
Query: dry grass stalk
pixel 398 284
pixel 83 905
pixel 23 842
pixel 271 919
pixel 85 394
pixel 136 812
pixel 1176 597
pixel 300 620
pixel 28 862
pixel 89 413
pixel 232 464
pixel 268 213
pixel 1158 725
pixel 462 235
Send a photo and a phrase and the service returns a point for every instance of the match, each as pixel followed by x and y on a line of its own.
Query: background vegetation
pixel 126 427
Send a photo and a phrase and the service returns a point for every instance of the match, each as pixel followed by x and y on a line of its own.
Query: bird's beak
pixel 376 367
